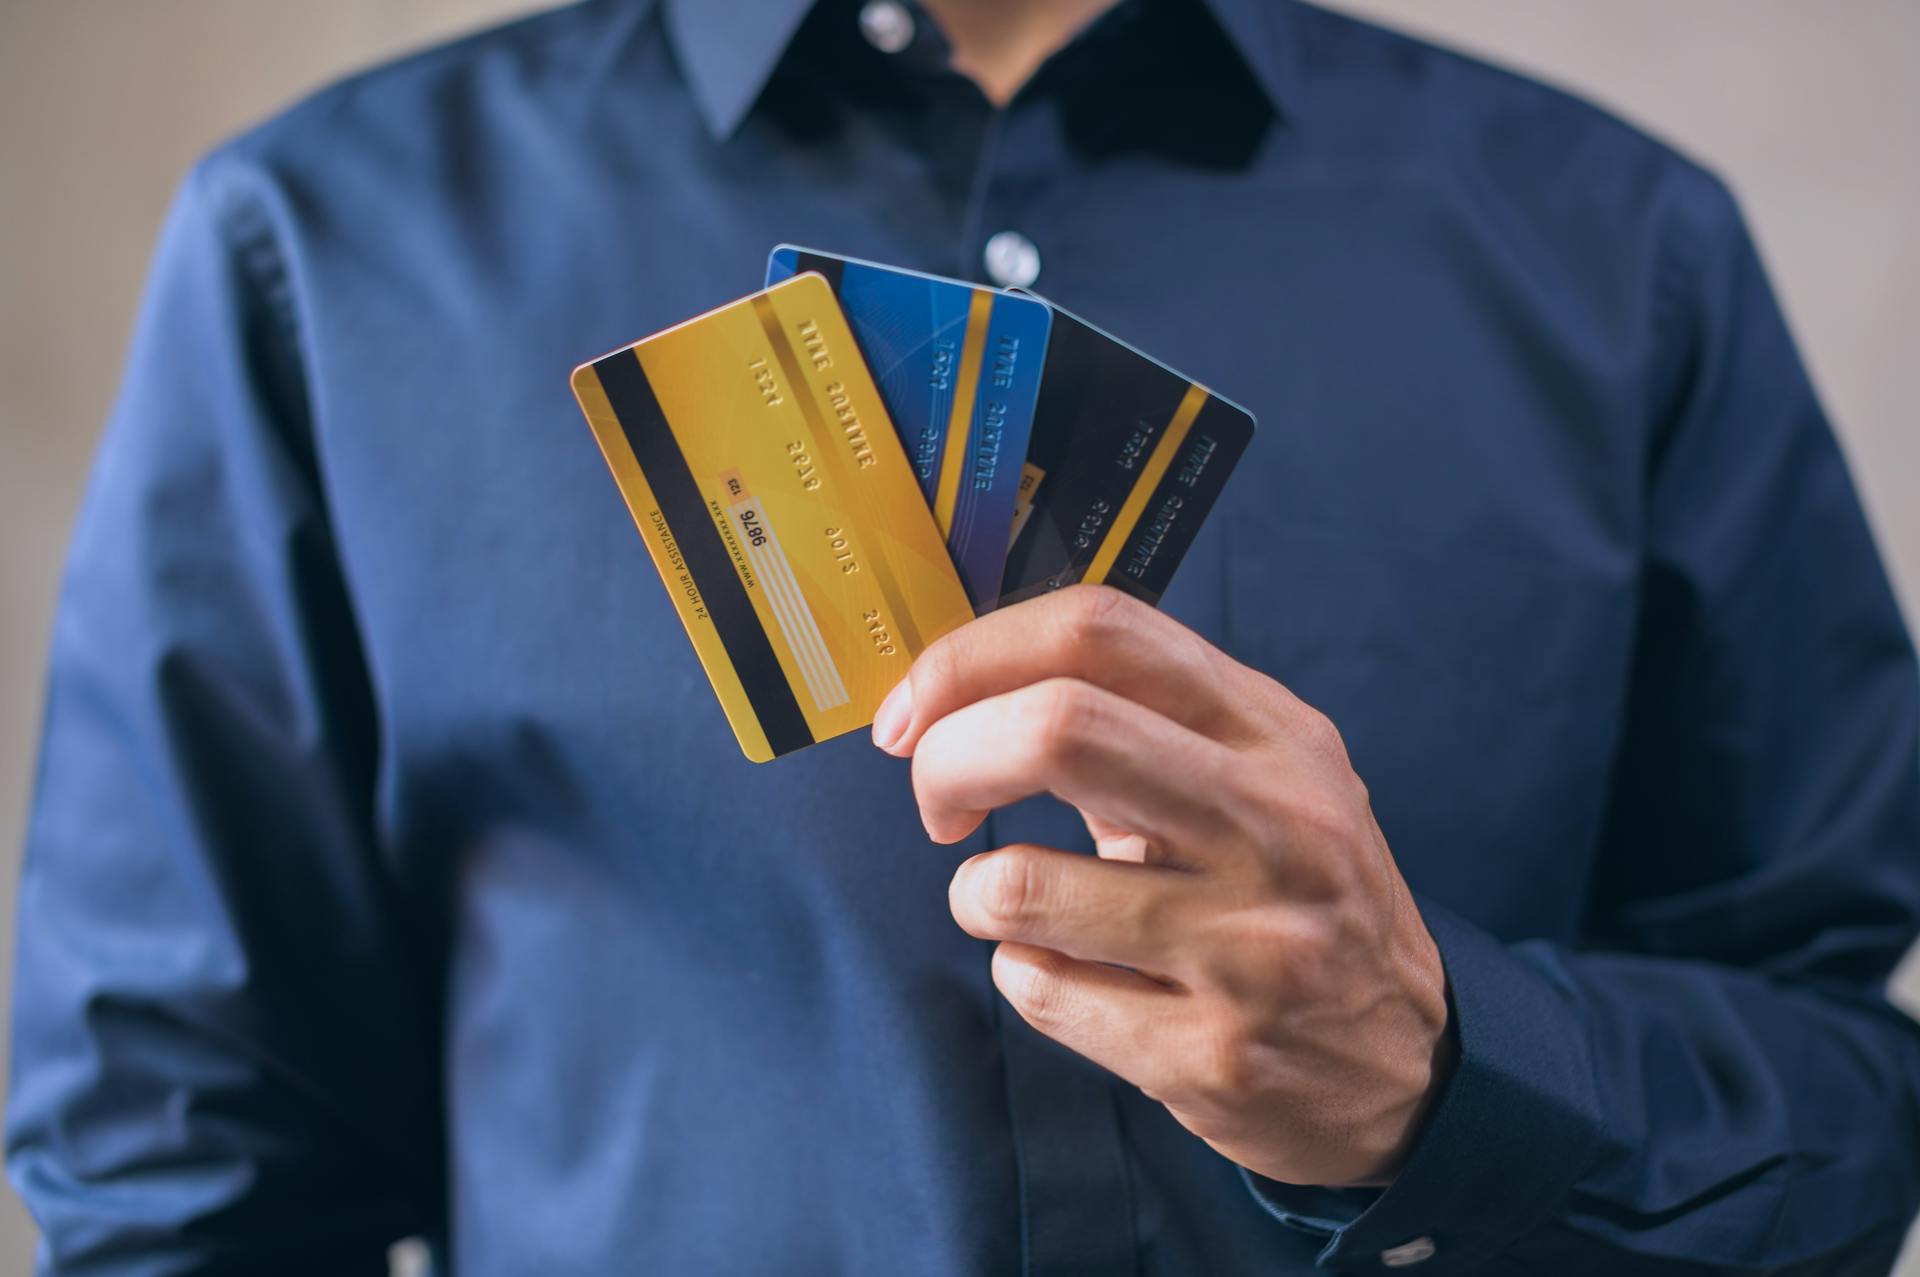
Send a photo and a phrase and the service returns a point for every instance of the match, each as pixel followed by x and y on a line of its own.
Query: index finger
pixel 1093 633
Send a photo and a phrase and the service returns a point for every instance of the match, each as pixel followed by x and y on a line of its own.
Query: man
pixel 1500 858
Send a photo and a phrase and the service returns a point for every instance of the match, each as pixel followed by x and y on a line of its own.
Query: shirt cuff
pixel 1510 1133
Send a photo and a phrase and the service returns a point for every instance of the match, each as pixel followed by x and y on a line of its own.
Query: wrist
pixel 1433 1047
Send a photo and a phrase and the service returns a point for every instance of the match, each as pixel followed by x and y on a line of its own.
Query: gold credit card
pixel 760 466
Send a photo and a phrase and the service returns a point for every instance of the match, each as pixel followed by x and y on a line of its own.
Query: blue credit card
pixel 958 366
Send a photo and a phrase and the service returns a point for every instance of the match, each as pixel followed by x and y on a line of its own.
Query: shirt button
pixel 887 25
pixel 1407 1254
pixel 1012 260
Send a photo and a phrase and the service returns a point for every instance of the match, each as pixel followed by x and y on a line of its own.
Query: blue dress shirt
pixel 393 871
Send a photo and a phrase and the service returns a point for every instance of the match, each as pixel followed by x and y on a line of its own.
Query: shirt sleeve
pixel 223 1039
pixel 1712 1082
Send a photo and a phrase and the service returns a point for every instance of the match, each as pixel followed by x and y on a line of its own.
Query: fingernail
pixel 891 719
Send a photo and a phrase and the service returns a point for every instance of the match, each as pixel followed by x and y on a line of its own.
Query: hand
pixel 1243 949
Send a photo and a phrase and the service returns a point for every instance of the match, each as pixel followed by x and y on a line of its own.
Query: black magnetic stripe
pixel 832 267
pixel 691 523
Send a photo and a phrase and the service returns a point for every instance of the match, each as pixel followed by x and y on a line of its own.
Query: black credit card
pixel 1126 458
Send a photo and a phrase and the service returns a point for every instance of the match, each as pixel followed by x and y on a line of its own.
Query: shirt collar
pixel 729 50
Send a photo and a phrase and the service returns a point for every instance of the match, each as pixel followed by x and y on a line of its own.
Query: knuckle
pixel 1270 956
pixel 1305 958
pixel 1063 711
pixel 1093 614
pixel 1320 819
pixel 937 668
pixel 1149 918
pixel 1325 836
pixel 1228 1067
pixel 1248 957
pixel 1321 736
pixel 1047 997
pixel 1226 961
pixel 1010 889
pixel 1195 658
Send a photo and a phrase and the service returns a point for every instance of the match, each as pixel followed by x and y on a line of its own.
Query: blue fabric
pixel 392 869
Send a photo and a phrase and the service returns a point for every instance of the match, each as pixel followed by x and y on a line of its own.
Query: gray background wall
pixel 1811 109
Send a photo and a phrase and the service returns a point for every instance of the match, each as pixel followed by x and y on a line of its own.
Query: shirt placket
pixel 1076 1199
pixel 993 168
pixel 1022 161
pixel 1076 1202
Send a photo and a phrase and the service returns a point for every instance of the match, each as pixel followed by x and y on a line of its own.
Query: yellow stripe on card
pixel 822 441
pixel 1157 462
pixel 966 385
